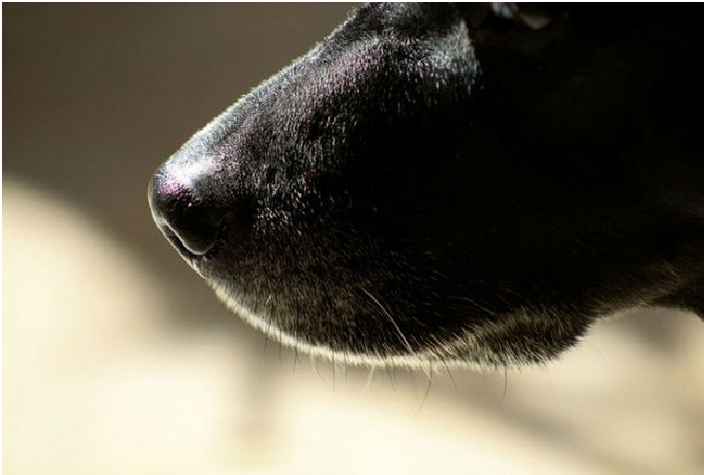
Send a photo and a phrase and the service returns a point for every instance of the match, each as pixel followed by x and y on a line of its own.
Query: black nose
pixel 186 210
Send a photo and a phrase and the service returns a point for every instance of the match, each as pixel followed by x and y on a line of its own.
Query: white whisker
pixel 391 319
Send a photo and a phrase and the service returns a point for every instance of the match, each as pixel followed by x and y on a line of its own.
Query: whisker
pixel 391 318
pixel 452 378
pixel 266 343
pixel 428 372
pixel 503 395
pixel 474 303
pixel 315 369
pixel 344 367
pixel 266 333
pixel 425 396
pixel 369 379
pixel 391 378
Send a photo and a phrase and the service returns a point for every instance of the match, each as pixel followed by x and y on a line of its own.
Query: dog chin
pixel 513 342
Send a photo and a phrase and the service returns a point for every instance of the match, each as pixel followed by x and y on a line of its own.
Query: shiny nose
pixel 184 212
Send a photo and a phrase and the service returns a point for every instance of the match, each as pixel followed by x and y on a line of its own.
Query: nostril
pixel 182 213
pixel 196 224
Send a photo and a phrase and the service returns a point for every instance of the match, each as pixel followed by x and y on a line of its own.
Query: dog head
pixel 445 184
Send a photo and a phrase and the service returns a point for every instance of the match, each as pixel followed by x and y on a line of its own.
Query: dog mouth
pixel 193 259
pixel 218 242
pixel 267 322
pixel 177 244
pixel 513 342
pixel 326 304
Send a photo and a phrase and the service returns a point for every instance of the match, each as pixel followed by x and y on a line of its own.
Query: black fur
pixel 455 183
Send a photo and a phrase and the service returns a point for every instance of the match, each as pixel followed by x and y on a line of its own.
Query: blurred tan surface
pixel 117 358
pixel 96 380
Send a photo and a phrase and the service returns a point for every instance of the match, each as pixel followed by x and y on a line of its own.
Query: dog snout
pixel 183 212
pixel 186 202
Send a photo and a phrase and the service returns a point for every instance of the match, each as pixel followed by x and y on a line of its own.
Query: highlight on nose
pixel 184 213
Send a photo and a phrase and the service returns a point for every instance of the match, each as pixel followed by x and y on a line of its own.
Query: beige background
pixel 118 359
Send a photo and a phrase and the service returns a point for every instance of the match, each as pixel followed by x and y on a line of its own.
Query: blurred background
pixel 117 358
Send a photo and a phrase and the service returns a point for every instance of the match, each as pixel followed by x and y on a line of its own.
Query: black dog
pixel 455 184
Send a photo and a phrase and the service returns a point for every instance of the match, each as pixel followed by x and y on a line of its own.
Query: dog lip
pixel 175 241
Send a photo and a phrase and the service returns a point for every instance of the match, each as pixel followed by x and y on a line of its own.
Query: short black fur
pixel 438 183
